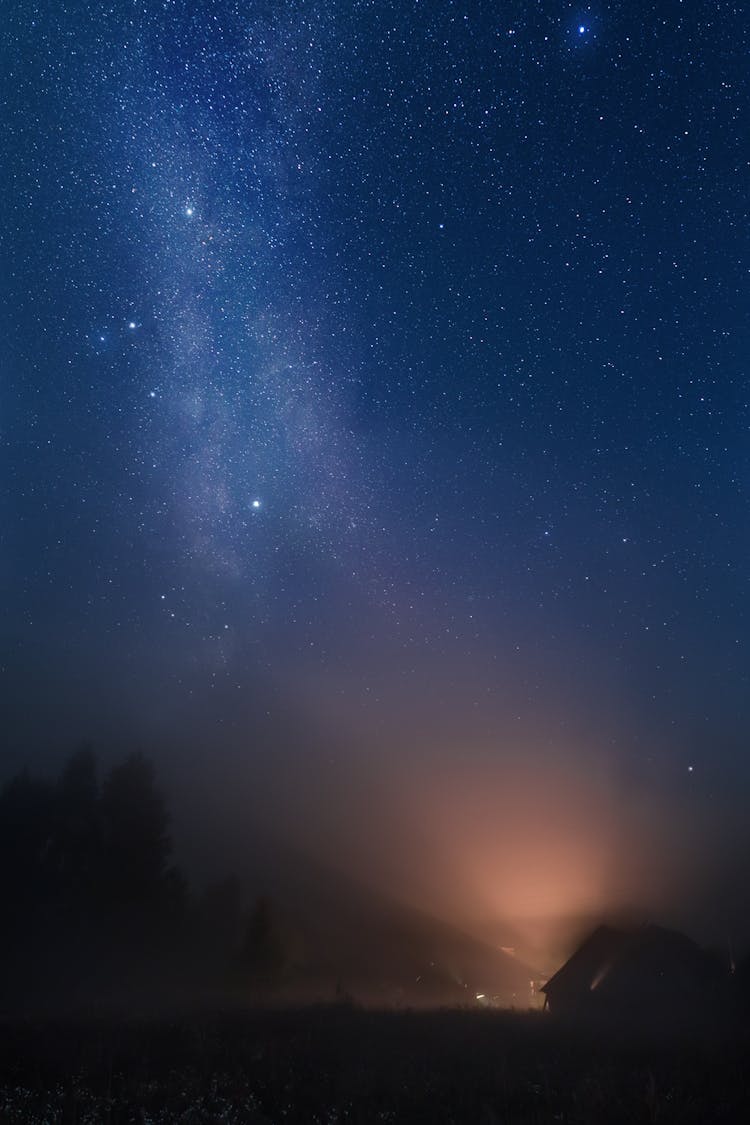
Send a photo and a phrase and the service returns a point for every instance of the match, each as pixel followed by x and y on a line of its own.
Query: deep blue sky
pixel 376 374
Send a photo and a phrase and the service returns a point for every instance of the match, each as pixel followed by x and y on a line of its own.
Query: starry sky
pixel 374 420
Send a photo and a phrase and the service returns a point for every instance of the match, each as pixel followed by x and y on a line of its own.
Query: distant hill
pixel 343 938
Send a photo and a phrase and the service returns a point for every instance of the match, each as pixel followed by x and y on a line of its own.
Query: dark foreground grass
pixel 344 1064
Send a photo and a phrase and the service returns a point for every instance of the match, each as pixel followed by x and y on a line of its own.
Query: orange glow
pixel 514 844
pixel 529 846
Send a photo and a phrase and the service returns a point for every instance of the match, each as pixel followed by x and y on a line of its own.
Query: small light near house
pixel 599 977
pixel 480 996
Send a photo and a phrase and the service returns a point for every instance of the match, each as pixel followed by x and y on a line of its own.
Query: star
pixel 581 29
pixel 189 211
pixel 256 505
pixel 131 324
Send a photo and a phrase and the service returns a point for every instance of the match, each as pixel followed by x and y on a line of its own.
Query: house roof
pixel 609 953
pixel 590 961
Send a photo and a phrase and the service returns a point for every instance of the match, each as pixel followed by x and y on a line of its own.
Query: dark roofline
pixel 608 945
pixel 611 939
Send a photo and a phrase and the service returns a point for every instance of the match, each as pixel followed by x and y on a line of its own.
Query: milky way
pixel 380 368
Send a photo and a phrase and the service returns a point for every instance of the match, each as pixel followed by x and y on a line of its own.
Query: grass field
pixel 345 1064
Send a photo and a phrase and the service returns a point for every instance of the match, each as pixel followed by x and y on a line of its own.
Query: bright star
pixel 255 504
pixel 581 29
pixel 189 211
pixel 131 324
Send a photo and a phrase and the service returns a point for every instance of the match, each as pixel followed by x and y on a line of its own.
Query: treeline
pixel 93 910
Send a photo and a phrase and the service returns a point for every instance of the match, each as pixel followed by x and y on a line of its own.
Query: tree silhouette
pixel 263 948
pixel 91 905
pixel 135 840
pixel 26 831
pixel 218 917
pixel 77 830
pixel 27 881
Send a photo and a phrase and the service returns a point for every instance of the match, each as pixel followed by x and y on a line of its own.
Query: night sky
pixel 374 419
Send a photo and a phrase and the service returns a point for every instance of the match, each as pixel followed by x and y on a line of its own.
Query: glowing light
pixel 255 504
pixel 581 29
pixel 600 976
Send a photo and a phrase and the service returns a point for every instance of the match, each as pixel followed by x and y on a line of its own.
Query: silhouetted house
pixel 570 990
pixel 648 976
